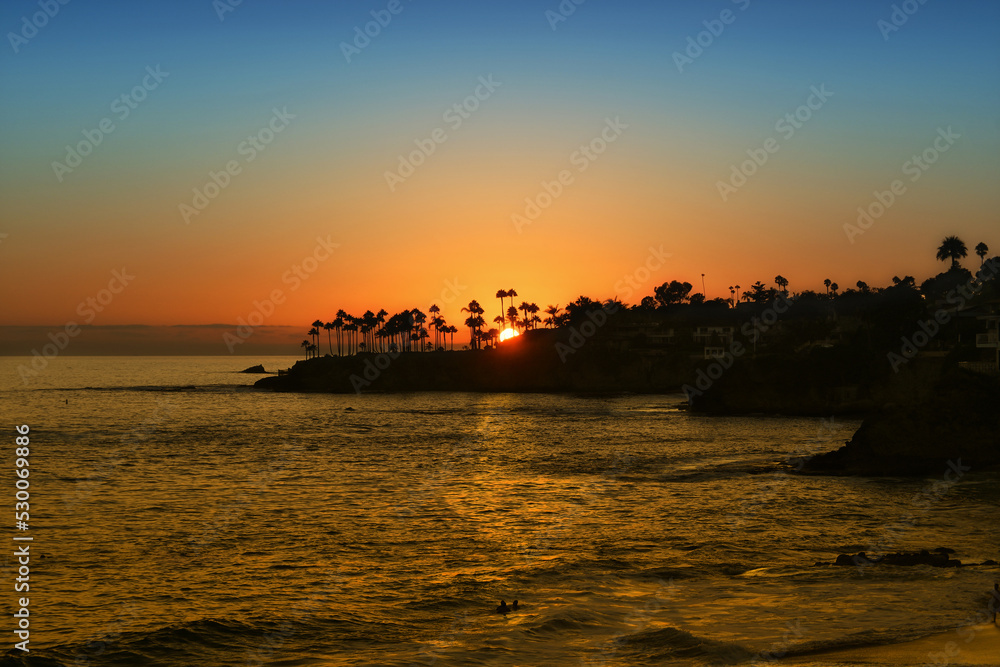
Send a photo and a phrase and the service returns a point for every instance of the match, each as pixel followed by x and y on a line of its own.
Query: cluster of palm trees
pixel 952 248
pixel 529 318
pixel 378 332
pixel 411 329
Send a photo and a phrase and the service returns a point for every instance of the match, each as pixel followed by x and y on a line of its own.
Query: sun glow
pixel 508 333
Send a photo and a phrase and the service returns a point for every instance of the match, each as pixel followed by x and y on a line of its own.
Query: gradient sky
pixel 451 221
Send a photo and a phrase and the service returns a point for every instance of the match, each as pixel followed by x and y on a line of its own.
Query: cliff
pixel 956 427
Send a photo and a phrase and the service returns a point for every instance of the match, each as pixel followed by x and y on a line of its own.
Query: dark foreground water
pixel 181 518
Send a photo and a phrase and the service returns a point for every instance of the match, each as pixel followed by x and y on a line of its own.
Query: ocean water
pixel 180 517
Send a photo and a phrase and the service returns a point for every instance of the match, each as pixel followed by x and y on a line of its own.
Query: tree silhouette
pixel 512 316
pixel 782 284
pixel 982 249
pixel 501 293
pixel 553 316
pixel 306 345
pixel 827 282
pixel 317 325
pixel 329 326
pixel 952 248
pixel 475 322
pixel 672 293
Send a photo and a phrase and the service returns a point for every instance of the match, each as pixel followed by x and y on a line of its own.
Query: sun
pixel 508 333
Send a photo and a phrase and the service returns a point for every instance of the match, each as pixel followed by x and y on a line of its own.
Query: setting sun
pixel 508 333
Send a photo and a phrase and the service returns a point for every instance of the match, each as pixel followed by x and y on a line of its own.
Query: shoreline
pixel 966 645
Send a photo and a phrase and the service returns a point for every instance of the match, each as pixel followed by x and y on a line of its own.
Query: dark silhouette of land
pixel 921 361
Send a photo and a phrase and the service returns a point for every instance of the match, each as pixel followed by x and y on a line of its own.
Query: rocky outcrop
pixel 953 429
pixel 259 368
pixel 543 361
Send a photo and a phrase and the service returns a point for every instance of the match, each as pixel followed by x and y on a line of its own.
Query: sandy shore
pixel 972 645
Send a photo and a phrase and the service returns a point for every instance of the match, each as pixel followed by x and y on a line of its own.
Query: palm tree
pixel 827 283
pixel 318 324
pixel 339 323
pixel 782 283
pixel 434 310
pixel 512 316
pixel 306 345
pixel 329 326
pixel 314 334
pixel 380 321
pixel 474 322
pixel 732 296
pixel 533 309
pixel 501 293
pixel 834 287
pixel 553 313
pixel 524 308
pixel 952 248
pixel 981 250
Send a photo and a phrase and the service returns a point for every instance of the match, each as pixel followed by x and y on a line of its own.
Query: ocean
pixel 180 517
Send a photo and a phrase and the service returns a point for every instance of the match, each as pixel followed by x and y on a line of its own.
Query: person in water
pixel 503 608
pixel 514 606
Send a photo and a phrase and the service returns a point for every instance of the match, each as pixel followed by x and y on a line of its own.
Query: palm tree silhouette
pixel 339 323
pixel 474 322
pixel 314 333
pixel 434 310
pixel 982 249
pixel 952 248
pixel 501 293
pixel 782 283
pixel 306 345
pixel 834 287
pixel 329 326
pixel 533 309
pixel 553 313
pixel 318 324
pixel 827 283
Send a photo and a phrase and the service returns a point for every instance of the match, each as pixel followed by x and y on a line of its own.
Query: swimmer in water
pixel 503 608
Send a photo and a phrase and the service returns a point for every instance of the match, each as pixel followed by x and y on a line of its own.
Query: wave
pixel 666 643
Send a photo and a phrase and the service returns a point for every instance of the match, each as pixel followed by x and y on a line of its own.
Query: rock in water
pixel 954 430
pixel 259 368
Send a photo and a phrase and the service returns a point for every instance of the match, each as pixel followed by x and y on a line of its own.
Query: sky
pixel 195 162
